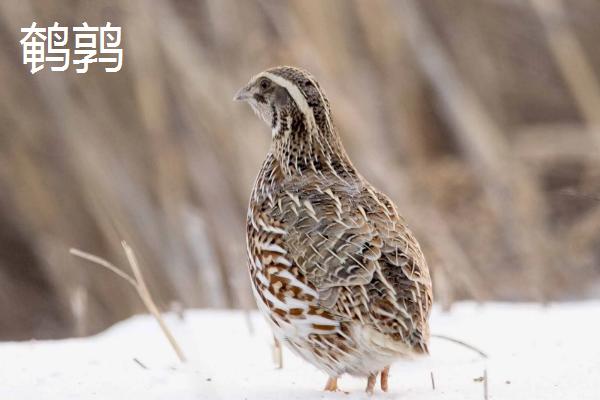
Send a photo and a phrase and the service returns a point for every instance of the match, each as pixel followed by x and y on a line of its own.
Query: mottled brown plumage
pixel 333 266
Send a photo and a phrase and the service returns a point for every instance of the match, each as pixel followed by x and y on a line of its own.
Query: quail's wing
pixel 397 301
pixel 365 264
pixel 354 248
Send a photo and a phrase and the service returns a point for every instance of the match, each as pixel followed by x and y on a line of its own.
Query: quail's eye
pixel 264 84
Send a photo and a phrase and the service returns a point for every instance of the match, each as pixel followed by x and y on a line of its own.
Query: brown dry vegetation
pixel 480 118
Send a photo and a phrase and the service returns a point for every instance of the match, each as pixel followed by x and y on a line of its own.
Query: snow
pixel 535 352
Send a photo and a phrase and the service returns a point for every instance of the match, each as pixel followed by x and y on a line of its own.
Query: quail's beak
pixel 242 94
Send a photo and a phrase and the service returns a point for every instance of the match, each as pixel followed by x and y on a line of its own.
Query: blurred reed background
pixel 480 118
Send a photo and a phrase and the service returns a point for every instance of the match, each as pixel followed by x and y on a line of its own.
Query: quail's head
pixel 266 97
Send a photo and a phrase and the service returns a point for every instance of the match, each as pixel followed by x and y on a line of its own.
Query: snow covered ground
pixel 536 352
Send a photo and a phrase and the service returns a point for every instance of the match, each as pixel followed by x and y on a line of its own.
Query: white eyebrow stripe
pixel 296 95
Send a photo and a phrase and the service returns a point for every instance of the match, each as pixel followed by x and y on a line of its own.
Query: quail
pixel 339 276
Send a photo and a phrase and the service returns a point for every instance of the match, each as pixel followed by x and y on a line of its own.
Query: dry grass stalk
pixel 248 320
pixel 485 385
pixel 277 353
pixel 572 61
pixel 138 283
pixel 78 302
pixel 462 343
pixel 511 190
pixel 546 144
pixel 138 362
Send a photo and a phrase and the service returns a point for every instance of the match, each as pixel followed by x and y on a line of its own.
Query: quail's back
pixel 333 266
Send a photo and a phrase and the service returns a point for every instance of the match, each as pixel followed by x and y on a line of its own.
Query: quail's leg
pixel 371 383
pixel 385 374
pixel 331 385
